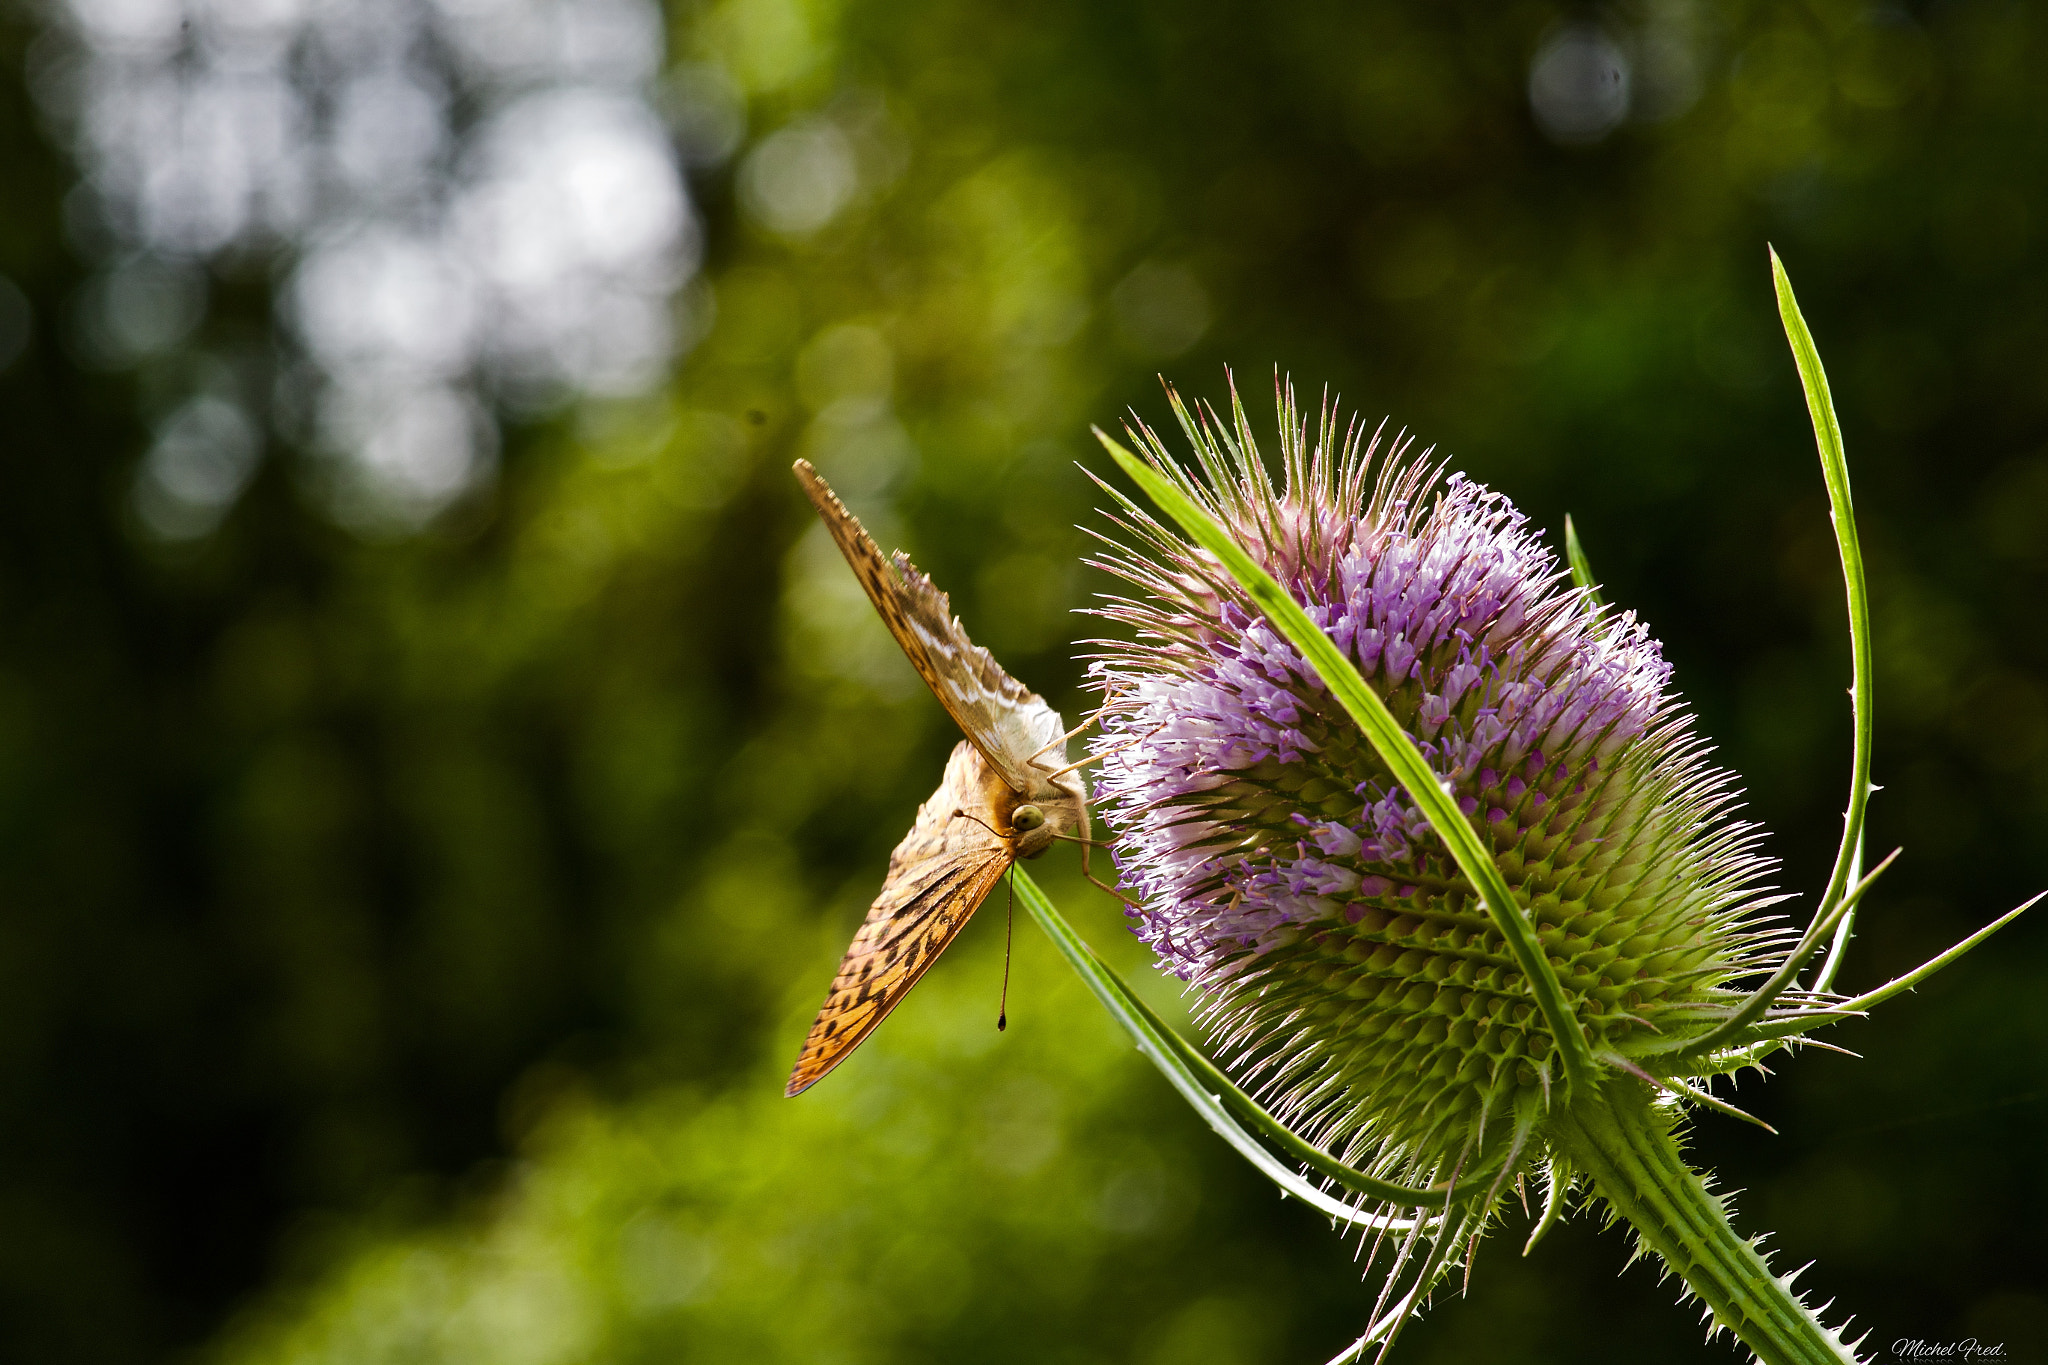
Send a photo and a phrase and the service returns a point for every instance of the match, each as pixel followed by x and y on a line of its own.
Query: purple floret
pixel 1519 692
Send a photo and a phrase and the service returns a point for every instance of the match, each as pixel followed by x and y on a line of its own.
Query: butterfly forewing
pixel 964 838
pixel 1006 720
pixel 938 876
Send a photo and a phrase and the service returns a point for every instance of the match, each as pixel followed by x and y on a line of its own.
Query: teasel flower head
pixel 1344 967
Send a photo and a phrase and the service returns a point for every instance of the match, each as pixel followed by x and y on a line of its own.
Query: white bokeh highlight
pixel 202 458
pixel 472 204
pixel 1579 85
pixel 799 178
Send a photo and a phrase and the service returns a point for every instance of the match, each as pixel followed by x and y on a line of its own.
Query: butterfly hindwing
pixel 1006 720
pixel 938 876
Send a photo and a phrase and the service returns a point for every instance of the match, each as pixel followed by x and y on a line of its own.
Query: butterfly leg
pixel 1113 749
pixel 1087 841
pixel 1061 742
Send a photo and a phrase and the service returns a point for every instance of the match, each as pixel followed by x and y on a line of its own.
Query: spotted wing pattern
pixel 1007 721
pixel 938 877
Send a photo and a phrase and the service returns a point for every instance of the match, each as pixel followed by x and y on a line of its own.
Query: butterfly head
pixel 1041 816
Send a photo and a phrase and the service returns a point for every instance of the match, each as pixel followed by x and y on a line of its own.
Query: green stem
pixel 1627 1148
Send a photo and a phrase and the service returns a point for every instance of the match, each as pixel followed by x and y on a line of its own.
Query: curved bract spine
pixel 1834 467
pixel 1856 1007
pixel 1764 996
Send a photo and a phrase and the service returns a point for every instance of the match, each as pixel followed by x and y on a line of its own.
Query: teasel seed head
pixel 1344 966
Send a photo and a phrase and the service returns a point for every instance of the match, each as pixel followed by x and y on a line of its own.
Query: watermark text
pixel 1969 1348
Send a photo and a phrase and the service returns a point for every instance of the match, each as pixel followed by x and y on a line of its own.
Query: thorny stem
pixel 1627 1148
pixel 1614 1135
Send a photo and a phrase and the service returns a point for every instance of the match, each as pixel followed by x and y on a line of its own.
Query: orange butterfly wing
pixel 938 876
pixel 1007 721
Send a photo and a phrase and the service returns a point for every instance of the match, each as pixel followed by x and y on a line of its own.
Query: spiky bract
pixel 1345 965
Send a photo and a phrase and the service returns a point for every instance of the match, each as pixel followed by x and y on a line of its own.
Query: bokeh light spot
pixel 799 179
pixel 1579 85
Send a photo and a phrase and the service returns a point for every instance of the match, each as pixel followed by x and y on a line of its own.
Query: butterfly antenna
pixel 1009 932
pixel 965 815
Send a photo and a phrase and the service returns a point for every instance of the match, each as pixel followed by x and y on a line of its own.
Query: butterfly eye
pixel 1026 818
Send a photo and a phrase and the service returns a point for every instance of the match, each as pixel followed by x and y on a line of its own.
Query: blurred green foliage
pixel 402 942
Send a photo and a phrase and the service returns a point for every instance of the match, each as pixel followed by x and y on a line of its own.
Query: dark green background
pixel 402 941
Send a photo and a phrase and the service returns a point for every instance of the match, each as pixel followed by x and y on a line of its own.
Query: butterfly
pixel 1008 793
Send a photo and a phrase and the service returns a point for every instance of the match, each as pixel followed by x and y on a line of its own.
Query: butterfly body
pixel 1008 793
